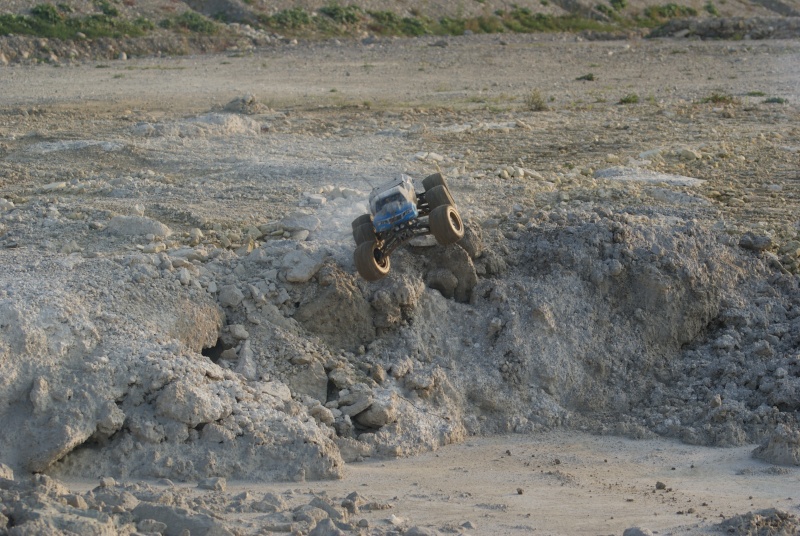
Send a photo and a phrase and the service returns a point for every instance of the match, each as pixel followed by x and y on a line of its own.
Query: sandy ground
pixel 544 483
pixel 553 483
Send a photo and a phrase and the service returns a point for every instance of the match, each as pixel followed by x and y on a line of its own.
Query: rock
pixel 137 226
pixel 782 447
pixel 421 531
pixel 637 531
pixel 301 266
pixel 40 395
pixel 76 501
pixel 335 513
pixel 213 484
pixel 6 472
pixel 118 499
pixel 300 221
pixel 472 242
pixel 442 280
pixel 270 503
pixel 151 525
pixel 107 482
pixel 179 520
pixel 311 380
pixel 190 404
pixel 230 296
pixel 457 262
pixel 248 105
pixel 338 313
pixel 382 411
pixel 689 154
pixel 755 242
pixel 247 365
pixel 362 402
pixel 322 414
pixel 214 433
pixel 309 514
pixel 353 450
pixel 238 332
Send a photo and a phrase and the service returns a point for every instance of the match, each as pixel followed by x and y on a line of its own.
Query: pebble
pixel 53 186
pixel 184 277
pixel 238 332
pixel 214 484
pixel 230 296
pixel 137 226
pixel 301 266
pixel 755 242
pixel 637 531
pixel 300 221
pixel 689 154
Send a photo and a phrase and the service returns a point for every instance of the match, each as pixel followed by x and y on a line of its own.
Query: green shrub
pixel 292 18
pixel 718 98
pixel 46 21
pixel 630 98
pixel 669 11
pixel 618 5
pixel 342 15
pixel 711 9
pixel 46 13
pixel 106 8
pixel 534 101
pixel 191 21
pixel 387 22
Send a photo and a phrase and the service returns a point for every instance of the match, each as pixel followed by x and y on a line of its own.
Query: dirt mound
pixel 762 523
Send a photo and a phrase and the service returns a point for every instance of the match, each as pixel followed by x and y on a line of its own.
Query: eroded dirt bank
pixel 178 298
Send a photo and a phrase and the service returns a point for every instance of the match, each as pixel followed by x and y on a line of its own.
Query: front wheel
pixel 446 225
pixel 432 181
pixel 365 233
pixel 361 220
pixel 370 262
pixel 438 196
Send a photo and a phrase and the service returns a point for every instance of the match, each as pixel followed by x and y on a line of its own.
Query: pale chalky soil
pixel 179 299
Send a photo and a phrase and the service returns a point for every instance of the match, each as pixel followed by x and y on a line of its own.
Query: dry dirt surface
pixel 613 347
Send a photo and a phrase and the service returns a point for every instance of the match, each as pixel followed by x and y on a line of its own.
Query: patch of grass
pixel 342 14
pixel 390 23
pixel 522 20
pixel 630 98
pixel 618 5
pixel 589 77
pixel 106 8
pixel 293 18
pixel 534 101
pixel 669 11
pixel 775 100
pixel 191 21
pixel 718 98
pixel 711 9
pixel 756 94
pixel 47 20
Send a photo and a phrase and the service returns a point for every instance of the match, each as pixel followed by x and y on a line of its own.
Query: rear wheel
pixel 370 262
pixel 431 181
pixel 446 225
pixel 438 196
pixel 365 232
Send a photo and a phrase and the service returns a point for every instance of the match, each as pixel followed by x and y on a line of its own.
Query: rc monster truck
pixel 397 214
